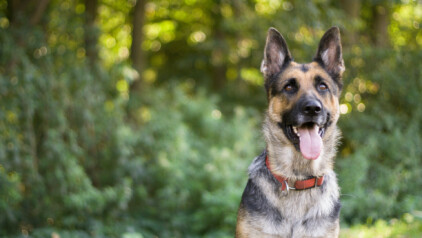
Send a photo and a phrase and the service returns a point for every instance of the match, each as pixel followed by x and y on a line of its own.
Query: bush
pixel 380 165
pixel 72 160
pixel 56 145
pixel 189 162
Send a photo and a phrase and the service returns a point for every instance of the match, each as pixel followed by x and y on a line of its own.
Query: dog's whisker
pixel 349 195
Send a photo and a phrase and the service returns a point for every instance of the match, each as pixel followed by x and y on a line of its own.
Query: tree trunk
pixel 136 54
pixel 352 9
pixel 91 31
pixel 39 11
pixel 380 25
pixel 23 12
pixel 10 11
pixel 218 55
pixel 25 15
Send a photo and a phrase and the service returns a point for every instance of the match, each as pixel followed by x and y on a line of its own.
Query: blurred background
pixel 139 118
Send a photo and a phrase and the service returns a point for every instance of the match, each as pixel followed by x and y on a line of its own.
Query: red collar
pixel 300 184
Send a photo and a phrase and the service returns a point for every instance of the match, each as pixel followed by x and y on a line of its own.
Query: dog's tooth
pixel 295 129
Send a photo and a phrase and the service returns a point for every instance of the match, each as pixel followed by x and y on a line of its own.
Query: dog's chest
pixel 307 213
pixel 297 221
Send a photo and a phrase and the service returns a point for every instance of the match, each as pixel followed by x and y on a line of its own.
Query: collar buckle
pixel 287 186
pixel 316 181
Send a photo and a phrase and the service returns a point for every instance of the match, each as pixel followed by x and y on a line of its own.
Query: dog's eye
pixel 289 88
pixel 322 87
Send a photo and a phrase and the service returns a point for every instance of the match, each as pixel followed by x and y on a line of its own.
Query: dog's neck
pixel 286 161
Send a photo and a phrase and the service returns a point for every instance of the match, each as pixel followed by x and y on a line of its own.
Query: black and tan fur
pixel 265 210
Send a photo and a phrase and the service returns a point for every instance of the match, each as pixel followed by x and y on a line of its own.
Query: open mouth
pixel 307 138
pixel 296 133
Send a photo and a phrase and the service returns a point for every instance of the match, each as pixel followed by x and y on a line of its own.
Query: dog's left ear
pixel 330 55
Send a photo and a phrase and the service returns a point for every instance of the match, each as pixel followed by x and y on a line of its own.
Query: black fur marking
pixel 335 213
pixel 335 76
pixel 331 87
pixel 304 68
pixel 270 82
pixel 329 122
pixel 293 83
pixel 255 202
pixel 323 186
pixel 253 199
pixel 276 89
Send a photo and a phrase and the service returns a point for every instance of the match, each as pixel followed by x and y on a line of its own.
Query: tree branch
pixel 42 6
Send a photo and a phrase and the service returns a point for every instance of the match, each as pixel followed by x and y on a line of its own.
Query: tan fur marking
pixel 242 226
pixel 277 106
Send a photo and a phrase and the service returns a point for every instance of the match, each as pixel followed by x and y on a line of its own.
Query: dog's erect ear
pixel 329 53
pixel 276 53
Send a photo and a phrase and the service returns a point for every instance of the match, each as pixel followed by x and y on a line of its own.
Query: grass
pixel 408 226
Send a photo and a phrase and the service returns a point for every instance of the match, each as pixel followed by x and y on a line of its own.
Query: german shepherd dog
pixel 292 189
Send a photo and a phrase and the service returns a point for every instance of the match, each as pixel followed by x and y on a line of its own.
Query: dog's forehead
pixel 303 72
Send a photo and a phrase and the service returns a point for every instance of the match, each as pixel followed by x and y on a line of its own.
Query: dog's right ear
pixel 276 54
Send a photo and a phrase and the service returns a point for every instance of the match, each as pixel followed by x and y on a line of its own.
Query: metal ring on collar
pixel 287 186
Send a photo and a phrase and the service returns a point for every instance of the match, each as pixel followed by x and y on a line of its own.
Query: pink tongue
pixel 310 142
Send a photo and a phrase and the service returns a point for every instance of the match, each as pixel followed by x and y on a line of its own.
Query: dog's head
pixel 303 98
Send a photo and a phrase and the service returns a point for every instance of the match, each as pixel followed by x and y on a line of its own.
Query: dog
pixel 292 189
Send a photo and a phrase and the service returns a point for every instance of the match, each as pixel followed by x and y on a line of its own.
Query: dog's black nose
pixel 312 107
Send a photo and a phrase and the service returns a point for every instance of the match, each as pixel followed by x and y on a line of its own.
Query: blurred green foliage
pixel 407 226
pixel 84 153
pixel 381 164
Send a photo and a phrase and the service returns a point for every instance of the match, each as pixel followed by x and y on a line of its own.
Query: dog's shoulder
pixel 257 213
pixel 254 198
pixel 258 165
